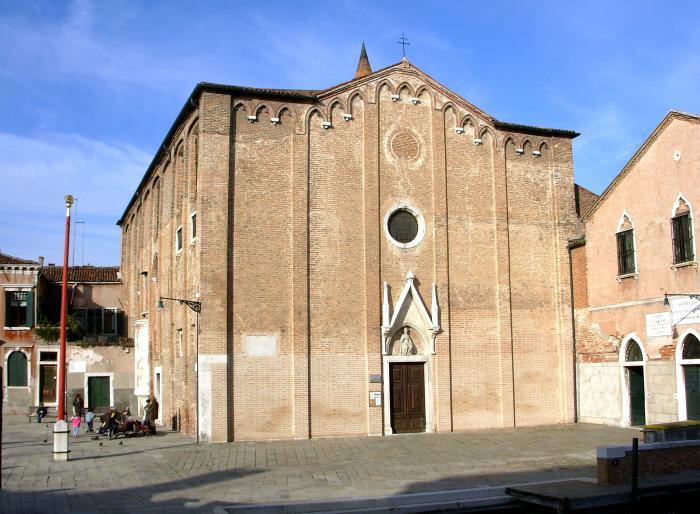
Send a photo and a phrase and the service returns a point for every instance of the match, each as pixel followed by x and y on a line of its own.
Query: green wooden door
pixel 98 393
pixel 637 411
pixel 692 391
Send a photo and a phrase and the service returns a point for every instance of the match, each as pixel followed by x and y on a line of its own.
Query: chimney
pixel 41 261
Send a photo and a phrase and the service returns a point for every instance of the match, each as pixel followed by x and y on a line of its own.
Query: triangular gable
pixel 409 297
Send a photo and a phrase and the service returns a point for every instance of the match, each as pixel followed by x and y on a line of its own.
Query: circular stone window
pixel 405 146
pixel 404 226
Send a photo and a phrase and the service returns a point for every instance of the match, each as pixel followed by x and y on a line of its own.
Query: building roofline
pixel 312 96
pixel 641 151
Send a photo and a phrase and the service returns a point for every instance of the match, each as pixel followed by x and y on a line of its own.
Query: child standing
pixel 75 420
pixel 89 418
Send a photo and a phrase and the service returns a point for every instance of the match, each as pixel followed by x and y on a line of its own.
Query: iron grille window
pixel 691 348
pixel 682 239
pixel 403 226
pixel 634 352
pixel 625 252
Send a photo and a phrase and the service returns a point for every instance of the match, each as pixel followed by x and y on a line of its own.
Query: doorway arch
pixel 632 365
pixel 688 375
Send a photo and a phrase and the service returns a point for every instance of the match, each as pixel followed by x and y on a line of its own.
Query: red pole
pixel 61 411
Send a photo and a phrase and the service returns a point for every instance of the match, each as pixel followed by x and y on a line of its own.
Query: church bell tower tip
pixel 363 66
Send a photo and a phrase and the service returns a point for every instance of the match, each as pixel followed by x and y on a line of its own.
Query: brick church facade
pixel 377 257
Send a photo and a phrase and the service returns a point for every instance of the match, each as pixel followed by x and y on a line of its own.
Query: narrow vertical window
pixel 178 239
pixel 193 226
pixel 625 252
pixel 682 238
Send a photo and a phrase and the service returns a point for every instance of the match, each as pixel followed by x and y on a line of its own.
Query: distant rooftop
pixel 10 259
pixel 84 274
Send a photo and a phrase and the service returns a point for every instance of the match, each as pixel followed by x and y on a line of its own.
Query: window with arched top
pixel 17 369
pixel 682 231
pixel 626 261
pixel 633 353
pixel 691 348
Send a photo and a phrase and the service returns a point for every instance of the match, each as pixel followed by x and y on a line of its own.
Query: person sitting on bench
pixel 41 412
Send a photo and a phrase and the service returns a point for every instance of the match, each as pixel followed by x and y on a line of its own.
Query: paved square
pixel 168 473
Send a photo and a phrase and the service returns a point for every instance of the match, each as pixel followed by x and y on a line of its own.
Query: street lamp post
pixel 196 306
pixel 60 428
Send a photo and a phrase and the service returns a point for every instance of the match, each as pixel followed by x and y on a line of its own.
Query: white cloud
pixel 37 172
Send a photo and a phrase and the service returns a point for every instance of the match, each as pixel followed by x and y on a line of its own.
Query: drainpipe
pixel 573 244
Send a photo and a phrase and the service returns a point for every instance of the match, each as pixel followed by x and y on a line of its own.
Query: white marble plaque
pixel 659 324
pixel 76 366
pixel 261 346
pixel 682 312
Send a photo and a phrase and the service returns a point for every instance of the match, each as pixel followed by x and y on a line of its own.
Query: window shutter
pixel 17 370
pixel 620 253
pixel 689 228
pixel 30 310
pixel 677 234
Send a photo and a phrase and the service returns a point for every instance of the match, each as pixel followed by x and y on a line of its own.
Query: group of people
pixel 113 417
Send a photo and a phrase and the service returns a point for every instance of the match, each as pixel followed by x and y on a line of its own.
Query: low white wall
pixel 599 394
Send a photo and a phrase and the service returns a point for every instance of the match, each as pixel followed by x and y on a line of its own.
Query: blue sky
pixel 88 89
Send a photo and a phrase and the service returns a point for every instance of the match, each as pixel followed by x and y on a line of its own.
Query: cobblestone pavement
pixel 168 473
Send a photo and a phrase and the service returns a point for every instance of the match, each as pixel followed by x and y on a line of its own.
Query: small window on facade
pixel 193 226
pixel 47 356
pixel 19 309
pixel 403 226
pixel 682 238
pixel 17 370
pixel 178 239
pixel 633 352
pixel 625 252
pixel 691 348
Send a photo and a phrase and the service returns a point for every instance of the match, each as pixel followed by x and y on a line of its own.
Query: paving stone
pixel 169 473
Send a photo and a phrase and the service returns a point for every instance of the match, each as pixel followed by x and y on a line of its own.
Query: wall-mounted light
pixel 519 151
pixel 537 153
pixel 478 142
pixel 274 121
pixel 347 116
pixel 415 100
pixel 252 118
pixel 395 98
pixel 326 124
pixel 459 130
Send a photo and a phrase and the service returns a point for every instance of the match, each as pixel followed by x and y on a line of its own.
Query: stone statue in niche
pixel 406 346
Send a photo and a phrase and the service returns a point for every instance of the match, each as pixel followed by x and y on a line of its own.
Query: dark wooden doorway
pixel 47 383
pixel 407 397
pixel 637 409
pixel 692 391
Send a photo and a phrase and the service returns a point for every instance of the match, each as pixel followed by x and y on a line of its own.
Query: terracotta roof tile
pixel 92 274
pixel 9 259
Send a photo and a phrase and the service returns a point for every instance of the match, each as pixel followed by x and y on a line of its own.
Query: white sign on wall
pixel 682 312
pixel 659 324
pixel 76 366
pixel 261 346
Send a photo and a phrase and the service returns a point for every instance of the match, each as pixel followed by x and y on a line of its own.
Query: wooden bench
pixel 31 412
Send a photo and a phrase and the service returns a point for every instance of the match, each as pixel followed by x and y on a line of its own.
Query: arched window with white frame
pixel 682 232
pixel 626 256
